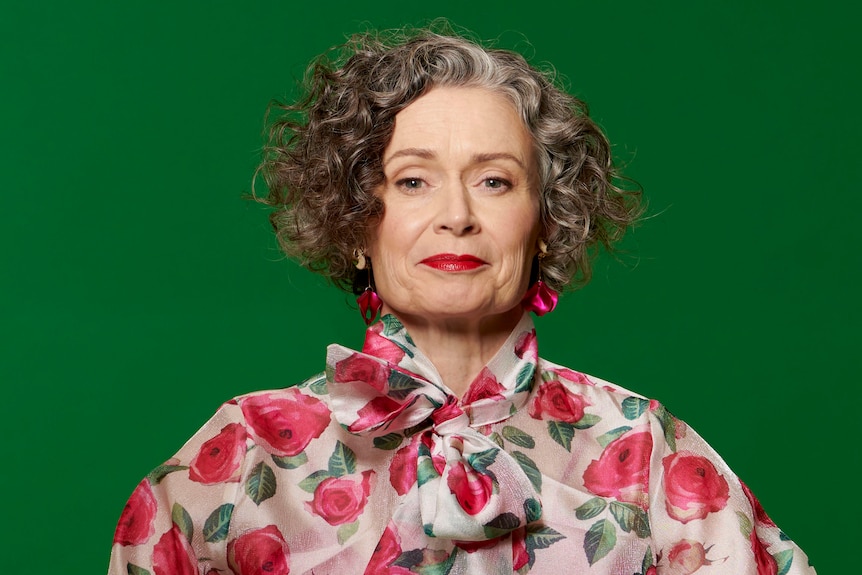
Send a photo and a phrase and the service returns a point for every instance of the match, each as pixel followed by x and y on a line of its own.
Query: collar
pixel 391 385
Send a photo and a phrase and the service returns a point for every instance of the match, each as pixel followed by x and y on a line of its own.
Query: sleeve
pixel 702 514
pixel 177 518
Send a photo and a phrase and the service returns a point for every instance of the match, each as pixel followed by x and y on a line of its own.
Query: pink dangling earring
pixel 540 299
pixel 369 302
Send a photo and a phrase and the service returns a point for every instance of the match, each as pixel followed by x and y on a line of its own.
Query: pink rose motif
pixel 173 555
pixel 766 564
pixel 403 468
pixel 286 421
pixel 686 557
pixel 472 489
pixel 622 470
pixel 526 345
pixel 692 486
pixel 364 369
pixel 520 557
pixel 219 457
pixel 387 551
pixel 555 401
pixel 378 346
pixel 136 521
pixel 473 546
pixel 485 386
pixel 339 500
pixel 376 412
pixel 573 376
pixel 651 571
pixel 759 512
pixel 259 552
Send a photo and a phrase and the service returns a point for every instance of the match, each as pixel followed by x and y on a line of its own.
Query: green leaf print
pixel 156 475
pixel 530 468
pixel 587 421
pixel 388 442
pixel 631 518
pixel 496 438
pixel 591 508
pixel 342 461
pixel 401 385
pixel 745 525
pixel 605 438
pixel 648 560
pixel 217 524
pixel 500 525
pixel 599 541
pixel 483 460
pixel 346 531
pixel 133 569
pixel 532 510
pixel 561 432
pixel 633 407
pixel 668 425
pixel 318 386
pixel 290 461
pixel 311 482
pixel 391 325
pixel 541 537
pixel 183 521
pixel 441 568
pixel 525 377
pixel 784 559
pixel 260 485
pixel 425 471
pixel 518 437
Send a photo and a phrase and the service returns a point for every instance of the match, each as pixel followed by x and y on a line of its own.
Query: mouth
pixel 453 262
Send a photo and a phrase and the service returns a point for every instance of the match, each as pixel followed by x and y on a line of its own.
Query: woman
pixel 456 189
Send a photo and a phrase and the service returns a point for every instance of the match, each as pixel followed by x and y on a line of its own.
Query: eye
pixel 410 183
pixel 497 183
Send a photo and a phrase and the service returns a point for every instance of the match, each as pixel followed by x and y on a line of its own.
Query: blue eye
pixel 409 183
pixel 497 183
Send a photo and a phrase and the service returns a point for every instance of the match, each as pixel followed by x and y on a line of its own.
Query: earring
pixel 368 301
pixel 540 299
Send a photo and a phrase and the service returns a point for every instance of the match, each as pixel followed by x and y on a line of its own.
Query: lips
pixel 453 262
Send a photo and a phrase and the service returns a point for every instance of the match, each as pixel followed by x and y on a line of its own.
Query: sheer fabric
pixel 376 467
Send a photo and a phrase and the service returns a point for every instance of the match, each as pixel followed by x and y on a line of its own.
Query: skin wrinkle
pixel 438 199
pixel 324 152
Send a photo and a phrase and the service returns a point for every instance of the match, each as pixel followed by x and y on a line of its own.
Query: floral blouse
pixel 376 467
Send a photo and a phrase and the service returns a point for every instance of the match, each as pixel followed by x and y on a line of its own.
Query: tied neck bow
pixel 465 486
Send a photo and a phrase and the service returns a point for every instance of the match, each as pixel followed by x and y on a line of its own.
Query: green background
pixel 139 290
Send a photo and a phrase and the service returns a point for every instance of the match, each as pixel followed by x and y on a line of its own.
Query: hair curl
pixel 323 158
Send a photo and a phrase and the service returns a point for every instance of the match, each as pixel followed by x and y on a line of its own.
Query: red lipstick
pixel 453 262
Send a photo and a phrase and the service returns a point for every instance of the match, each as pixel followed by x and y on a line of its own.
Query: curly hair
pixel 323 158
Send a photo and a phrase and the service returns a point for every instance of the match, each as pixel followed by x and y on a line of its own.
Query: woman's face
pixel 461 208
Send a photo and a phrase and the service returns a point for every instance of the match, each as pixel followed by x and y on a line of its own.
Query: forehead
pixel 462 119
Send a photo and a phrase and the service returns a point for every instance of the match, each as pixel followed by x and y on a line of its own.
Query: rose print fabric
pixel 375 467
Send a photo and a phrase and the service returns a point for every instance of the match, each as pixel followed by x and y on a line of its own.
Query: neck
pixel 459 347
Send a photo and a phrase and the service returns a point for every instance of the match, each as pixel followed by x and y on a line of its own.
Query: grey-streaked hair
pixel 323 159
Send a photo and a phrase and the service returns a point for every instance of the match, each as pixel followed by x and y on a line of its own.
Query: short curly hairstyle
pixel 323 159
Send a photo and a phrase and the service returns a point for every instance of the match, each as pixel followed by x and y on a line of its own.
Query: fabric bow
pixel 468 488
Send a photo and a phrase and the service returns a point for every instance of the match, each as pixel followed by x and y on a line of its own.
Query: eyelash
pixel 402 183
pixel 502 183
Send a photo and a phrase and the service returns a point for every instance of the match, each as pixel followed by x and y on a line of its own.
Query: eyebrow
pixel 427 154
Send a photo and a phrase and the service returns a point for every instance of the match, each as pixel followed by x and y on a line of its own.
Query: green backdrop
pixel 139 290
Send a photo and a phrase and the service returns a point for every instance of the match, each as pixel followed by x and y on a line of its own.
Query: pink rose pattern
pixel 693 487
pixel 340 500
pixel 622 470
pixel 281 480
pixel 260 552
pixel 219 457
pixel 136 522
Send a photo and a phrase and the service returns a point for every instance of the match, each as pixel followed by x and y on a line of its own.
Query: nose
pixel 456 211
